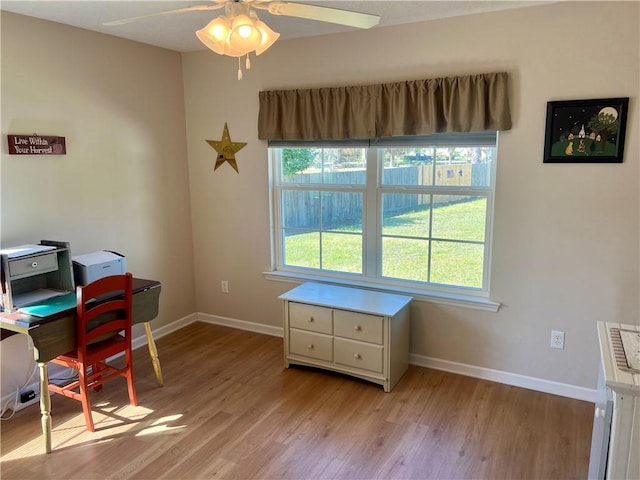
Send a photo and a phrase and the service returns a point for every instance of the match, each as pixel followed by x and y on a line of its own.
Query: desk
pixel 56 334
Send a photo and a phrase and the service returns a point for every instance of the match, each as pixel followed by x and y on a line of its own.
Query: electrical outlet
pixel 557 339
pixel 224 285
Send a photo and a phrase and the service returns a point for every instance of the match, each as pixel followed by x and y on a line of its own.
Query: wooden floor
pixel 229 410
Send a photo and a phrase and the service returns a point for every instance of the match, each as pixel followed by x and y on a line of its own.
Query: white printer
pixel 92 266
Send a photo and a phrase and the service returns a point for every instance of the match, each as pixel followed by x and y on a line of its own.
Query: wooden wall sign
pixel 36 145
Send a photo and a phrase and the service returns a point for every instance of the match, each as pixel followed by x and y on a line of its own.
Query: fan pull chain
pixel 248 63
pixel 239 70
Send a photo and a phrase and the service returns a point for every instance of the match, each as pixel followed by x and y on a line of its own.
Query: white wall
pixel 123 184
pixel 566 236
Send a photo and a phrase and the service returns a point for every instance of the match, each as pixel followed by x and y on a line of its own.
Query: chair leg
pixel 86 404
pixel 133 399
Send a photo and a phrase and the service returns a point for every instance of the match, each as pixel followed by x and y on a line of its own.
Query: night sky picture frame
pixel 586 131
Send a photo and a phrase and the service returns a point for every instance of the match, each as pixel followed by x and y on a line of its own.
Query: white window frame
pixel 372 217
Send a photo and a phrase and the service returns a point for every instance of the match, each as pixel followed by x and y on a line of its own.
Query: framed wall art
pixel 586 131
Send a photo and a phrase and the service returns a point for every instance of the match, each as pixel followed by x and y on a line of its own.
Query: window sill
pixel 451 299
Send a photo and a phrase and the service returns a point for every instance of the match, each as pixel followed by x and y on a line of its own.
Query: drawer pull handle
pixel 357 356
pixel 311 319
pixel 310 346
pixel 34 264
pixel 357 328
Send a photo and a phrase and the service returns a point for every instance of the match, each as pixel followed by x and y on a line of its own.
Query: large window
pixel 411 212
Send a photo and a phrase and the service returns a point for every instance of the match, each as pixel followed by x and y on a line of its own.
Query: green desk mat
pixel 51 306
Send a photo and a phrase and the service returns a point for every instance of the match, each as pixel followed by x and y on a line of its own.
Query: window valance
pixel 421 107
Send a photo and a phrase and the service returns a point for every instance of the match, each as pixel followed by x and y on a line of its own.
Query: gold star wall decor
pixel 226 149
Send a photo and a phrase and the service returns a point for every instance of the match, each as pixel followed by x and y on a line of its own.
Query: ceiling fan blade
pixel 323 14
pixel 196 8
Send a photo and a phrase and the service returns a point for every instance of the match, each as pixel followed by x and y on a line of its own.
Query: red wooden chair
pixel 100 338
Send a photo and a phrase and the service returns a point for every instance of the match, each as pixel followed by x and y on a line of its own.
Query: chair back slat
pixel 104 329
pixel 91 312
pixel 104 306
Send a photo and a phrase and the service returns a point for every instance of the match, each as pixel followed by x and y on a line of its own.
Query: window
pixel 402 212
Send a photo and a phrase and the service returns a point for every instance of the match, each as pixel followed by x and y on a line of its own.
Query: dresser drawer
pixel 358 326
pixel 355 331
pixel 310 317
pixel 357 354
pixel 311 345
pixel 26 267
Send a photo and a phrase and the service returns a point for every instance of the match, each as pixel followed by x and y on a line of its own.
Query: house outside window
pixel 404 213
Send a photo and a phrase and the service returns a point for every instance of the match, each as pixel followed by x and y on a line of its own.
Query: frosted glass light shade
pixel 215 34
pixel 244 35
pixel 268 37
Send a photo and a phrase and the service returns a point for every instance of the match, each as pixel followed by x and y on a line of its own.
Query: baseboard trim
pixel 241 324
pixel 164 330
pixel 513 379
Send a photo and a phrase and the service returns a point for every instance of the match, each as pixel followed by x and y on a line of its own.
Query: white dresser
pixel 349 330
pixel 615 440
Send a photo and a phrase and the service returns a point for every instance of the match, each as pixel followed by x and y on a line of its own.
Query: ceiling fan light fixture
pixel 237 33
pixel 269 37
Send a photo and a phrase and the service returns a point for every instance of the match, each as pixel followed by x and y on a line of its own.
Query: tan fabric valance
pixel 421 107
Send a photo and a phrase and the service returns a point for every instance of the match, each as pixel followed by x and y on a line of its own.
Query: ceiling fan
pixel 239 31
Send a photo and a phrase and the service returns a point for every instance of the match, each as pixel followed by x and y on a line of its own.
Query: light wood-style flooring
pixel 230 410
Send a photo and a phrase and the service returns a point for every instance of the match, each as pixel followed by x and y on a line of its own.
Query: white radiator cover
pixel 615 440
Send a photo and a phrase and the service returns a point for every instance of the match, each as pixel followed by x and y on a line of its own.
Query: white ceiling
pixel 176 32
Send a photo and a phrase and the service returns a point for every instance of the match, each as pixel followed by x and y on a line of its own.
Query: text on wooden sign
pixel 36 145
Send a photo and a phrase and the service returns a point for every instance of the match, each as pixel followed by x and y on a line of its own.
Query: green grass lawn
pixel 406 246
